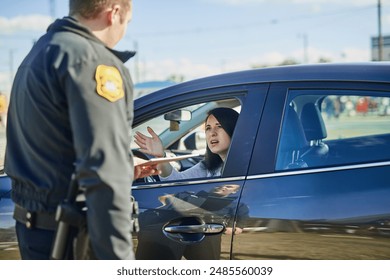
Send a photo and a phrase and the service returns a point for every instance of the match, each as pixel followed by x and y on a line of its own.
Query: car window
pixel 160 125
pixel 328 129
pixel 355 116
pixel 185 136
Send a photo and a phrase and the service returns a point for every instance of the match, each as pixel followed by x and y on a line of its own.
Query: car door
pixel 186 219
pixel 8 249
pixel 319 199
pixel 6 205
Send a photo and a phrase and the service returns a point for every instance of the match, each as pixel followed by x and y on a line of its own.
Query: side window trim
pixel 209 95
pixel 241 150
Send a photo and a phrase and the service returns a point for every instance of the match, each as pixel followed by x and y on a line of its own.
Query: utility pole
pixel 136 63
pixel 52 9
pixel 305 56
pixel 380 38
pixel 305 47
pixel 11 65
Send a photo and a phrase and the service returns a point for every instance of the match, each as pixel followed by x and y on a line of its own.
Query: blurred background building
pixel 385 48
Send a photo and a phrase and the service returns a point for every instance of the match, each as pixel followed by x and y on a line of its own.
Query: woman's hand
pixel 153 146
pixel 149 145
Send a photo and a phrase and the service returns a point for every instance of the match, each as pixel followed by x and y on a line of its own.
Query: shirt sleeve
pixel 103 167
pixel 196 171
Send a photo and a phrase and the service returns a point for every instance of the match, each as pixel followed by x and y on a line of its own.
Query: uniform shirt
pixel 71 112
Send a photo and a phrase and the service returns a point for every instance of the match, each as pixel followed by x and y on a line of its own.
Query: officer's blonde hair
pixel 90 9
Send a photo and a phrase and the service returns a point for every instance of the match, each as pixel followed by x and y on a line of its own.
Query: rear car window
pixel 327 129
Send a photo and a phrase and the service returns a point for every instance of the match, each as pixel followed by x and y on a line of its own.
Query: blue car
pixel 8 242
pixel 306 175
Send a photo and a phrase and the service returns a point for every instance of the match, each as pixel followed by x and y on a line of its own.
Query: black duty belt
pixel 41 220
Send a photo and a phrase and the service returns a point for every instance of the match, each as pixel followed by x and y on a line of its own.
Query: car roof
pixel 368 72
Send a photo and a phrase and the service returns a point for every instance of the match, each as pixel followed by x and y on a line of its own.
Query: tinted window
pixel 327 129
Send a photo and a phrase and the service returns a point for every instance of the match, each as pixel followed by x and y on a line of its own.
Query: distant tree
pixel 288 61
pixel 177 78
pixel 324 60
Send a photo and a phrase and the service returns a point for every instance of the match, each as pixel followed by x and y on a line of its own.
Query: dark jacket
pixel 69 113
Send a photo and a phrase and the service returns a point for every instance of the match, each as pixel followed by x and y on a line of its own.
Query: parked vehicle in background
pixel 307 168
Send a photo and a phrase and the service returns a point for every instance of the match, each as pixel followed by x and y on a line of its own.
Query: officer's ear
pixel 113 14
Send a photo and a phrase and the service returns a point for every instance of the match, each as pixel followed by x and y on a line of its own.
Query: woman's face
pixel 217 139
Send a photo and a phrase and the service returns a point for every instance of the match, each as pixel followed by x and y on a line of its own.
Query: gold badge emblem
pixel 109 83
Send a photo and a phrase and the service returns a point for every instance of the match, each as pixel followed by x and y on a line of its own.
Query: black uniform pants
pixel 34 244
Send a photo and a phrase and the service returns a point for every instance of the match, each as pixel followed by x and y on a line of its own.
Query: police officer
pixel 70 113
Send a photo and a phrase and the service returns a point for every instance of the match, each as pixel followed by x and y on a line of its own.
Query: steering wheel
pixel 147 179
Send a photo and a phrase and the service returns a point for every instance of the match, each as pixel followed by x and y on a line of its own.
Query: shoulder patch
pixel 109 83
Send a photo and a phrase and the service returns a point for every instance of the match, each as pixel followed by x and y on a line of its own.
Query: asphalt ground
pixel 276 246
pixel 8 245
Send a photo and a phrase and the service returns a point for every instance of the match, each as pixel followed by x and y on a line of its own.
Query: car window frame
pixel 244 93
pixel 268 137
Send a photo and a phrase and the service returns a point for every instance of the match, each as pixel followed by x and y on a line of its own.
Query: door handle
pixel 203 228
pixel 190 230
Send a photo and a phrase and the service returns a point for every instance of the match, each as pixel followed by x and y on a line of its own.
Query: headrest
pixel 293 137
pixel 312 122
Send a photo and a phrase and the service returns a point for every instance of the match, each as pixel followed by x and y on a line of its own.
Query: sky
pixel 197 38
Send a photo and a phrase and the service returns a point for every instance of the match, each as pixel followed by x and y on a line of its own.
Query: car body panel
pixel 320 213
pixel 6 206
pixel 8 241
pixel 152 242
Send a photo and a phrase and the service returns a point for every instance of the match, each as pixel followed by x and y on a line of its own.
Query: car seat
pixel 292 143
pixel 315 131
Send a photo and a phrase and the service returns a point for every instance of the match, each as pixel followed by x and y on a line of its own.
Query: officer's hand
pixel 229 231
pixel 141 171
